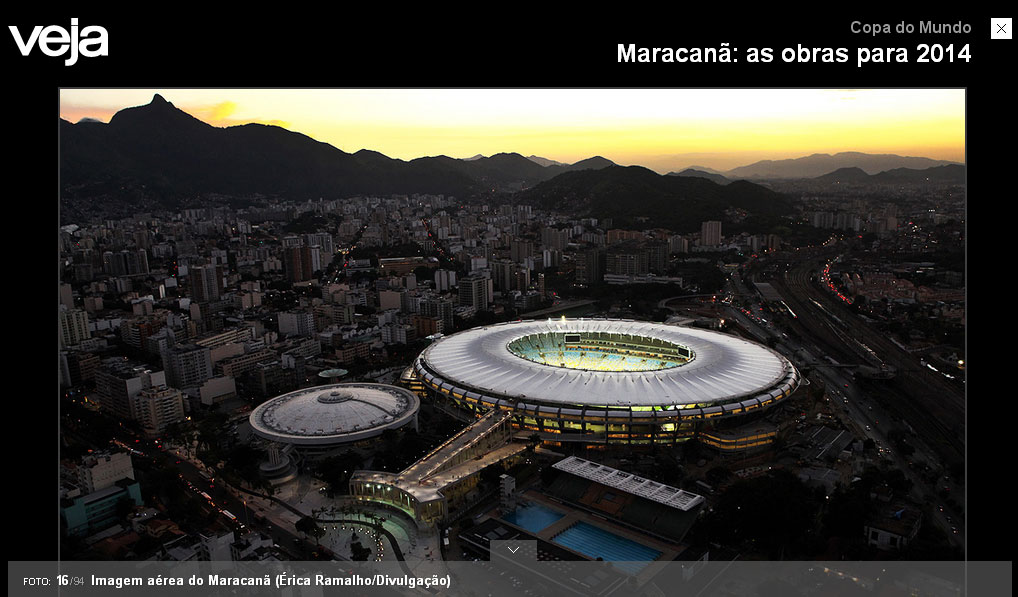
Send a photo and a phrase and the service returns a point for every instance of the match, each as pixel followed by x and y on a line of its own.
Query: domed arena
pixel 317 420
pixel 605 381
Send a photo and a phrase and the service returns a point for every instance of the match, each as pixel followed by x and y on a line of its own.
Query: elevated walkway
pixel 469 443
pixel 421 488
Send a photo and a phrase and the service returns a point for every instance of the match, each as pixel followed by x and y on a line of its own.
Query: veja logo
pixel 54 40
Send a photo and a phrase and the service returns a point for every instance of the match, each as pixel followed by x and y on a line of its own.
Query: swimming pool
pixel 533 517
pixel 596 542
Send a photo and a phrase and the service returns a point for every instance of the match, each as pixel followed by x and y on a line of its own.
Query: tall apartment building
pixel 657 256
pixel 474 291
pixel 73 327
pixel 710 233
pixel 627 259
pixel 157 408
pixel 143 239
pixel 136 330
pixel 503 274
pixel 316 259
pixel 299 323
pixel 444 280
pixel 589 266
pixel 206 283
pixel 396 333
pixel 520 249
pixel 678 244
pixel 440 308
pixel 187 365
pixel 426 325
pixel 93 303
pixel 117 382
pixel 322 240
pixel 339 313
pixel 521 279
pixel 77 367
pixel 100 470
pixel 125 263
pixel 551 258
pixel 67 296
pixel 392 299
pixel 298 264
pixel 552 238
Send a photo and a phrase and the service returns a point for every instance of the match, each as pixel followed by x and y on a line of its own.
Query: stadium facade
pixel 601 381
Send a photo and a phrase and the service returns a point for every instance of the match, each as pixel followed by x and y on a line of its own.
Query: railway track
pixel 930 403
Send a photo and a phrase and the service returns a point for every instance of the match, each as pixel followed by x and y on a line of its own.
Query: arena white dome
pixel 600 379
pixel 327 416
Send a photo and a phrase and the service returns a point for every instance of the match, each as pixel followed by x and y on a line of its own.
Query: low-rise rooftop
pixel 630 483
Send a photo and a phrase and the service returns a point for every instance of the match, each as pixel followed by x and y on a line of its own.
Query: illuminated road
pixel 931 403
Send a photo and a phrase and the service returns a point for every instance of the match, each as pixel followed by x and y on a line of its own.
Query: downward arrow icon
pixel 513 550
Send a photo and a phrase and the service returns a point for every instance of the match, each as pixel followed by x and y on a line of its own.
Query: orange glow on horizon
pixel 663 129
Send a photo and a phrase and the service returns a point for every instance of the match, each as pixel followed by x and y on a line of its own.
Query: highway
pixel 931 403
pixel 248 513
pixel 928 405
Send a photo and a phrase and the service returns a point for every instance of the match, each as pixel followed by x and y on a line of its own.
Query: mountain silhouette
pixel 820 164
pixel 702 174
pixel 631 193
pixel 949 174
pixel 170 153
pixel 161 155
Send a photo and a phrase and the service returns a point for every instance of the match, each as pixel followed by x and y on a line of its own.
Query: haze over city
pixel 661 129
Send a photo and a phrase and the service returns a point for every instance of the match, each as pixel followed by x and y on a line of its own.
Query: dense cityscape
pixel 258 377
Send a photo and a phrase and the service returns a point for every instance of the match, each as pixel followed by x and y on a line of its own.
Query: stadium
pixel 600 381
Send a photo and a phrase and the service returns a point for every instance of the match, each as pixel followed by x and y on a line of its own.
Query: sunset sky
pixel 662 129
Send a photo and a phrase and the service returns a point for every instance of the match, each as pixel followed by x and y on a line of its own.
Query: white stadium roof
pixel 724 368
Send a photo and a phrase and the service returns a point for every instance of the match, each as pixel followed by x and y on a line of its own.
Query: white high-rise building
pixel 187 365
pixel 73 327
pixel 445 280
pixel 101 470
pixel 117 382
pixel 296 323
pixel 323 240
pixel 158 408
pixel 710 233
pixel 553 238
